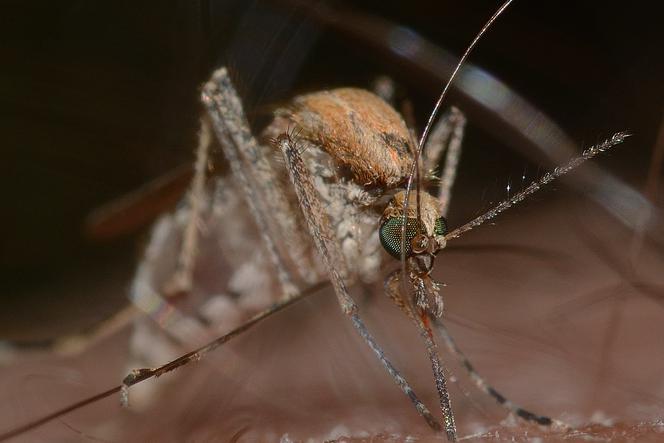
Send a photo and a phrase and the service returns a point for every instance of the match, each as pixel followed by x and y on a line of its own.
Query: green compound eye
pixel 440 228
pixel 390 234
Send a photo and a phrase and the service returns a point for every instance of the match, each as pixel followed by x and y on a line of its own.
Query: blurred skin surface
pixel 100 99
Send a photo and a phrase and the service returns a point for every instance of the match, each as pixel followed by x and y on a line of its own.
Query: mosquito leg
pixel 437 143
pixel 483 386
pixel 264 192
pixel 71 344
pixel 232 131
pixel 324 239
pixel 139 375
pixel 168 327
pixel 515 199
pixel 181 280
pixel 160 334
pixel 446 137
pixel 392 289
pixel 266 200
pixel 167 330
pixel 439 138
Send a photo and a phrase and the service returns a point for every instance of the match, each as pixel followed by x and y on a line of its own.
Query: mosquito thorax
pixel 425 235
pixel 358 129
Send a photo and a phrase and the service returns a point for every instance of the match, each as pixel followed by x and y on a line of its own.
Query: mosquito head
pixel 424 235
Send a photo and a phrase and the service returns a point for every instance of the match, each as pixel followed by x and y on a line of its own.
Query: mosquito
pixel 352 177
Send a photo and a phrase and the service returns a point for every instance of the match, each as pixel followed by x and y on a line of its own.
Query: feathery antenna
pixel 536 185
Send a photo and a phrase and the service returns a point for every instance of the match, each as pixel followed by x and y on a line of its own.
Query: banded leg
pixel 140 375
pixel 167 329
pixel 161 333
pixel 264 192
pixel 181 280
pixel 253 177
pixel 535 186
pixel 319 228
pixel 485 387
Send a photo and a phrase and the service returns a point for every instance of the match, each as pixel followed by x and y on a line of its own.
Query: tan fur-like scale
pixel 359 130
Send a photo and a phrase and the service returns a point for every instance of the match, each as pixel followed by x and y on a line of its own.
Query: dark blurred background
pixel 97 98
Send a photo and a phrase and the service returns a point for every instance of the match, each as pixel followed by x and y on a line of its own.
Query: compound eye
pixel 440 228
pixel 390 235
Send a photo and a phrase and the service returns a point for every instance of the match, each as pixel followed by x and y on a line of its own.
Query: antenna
pixel 425 134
